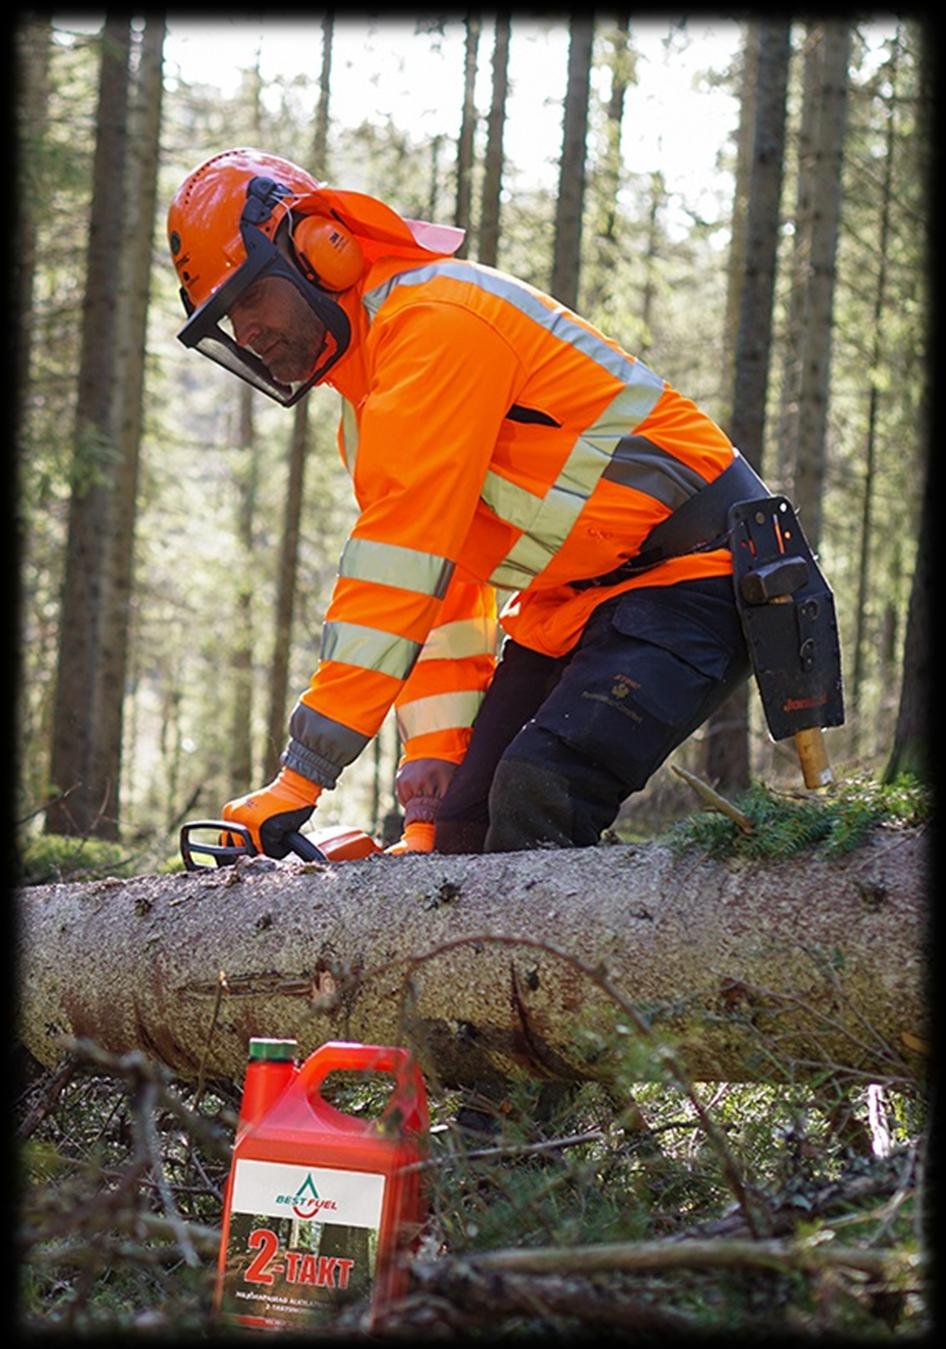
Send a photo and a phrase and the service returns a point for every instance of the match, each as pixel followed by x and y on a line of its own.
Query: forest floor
pixel 802 1211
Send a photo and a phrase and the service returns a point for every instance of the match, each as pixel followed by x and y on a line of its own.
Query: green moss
pixel 834 822
pixel 51 858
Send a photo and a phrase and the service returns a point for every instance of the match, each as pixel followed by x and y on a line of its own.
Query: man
pixel 495 441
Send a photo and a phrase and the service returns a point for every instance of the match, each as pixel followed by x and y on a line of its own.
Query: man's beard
pixel 291 359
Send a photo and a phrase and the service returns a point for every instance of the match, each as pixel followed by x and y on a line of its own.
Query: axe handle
pixel 813 757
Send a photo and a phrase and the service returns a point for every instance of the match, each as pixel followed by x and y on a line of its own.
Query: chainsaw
pixel 224 842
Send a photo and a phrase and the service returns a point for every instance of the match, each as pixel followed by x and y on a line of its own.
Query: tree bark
pixel 246 482
pixel 115 620
pixel 728 730
pixel 735 271
pixel 793 336
pixel 33 44
pixel 491 198
pixel 246 478
pixel 815 356
pixel 547 963
pixel 466 140
pixel 81 809
pixel 912 751
pixel 569 212
pixel 606 183
pixel 913 738
pixel 874 397
pixel 277 712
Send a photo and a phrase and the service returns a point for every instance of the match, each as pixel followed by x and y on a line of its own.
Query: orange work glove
pixel 278 809
pixel 418 836
pixel 420 786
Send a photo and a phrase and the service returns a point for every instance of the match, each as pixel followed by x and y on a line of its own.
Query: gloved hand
pixel 275 810
pixel 420 786
pixel 418 836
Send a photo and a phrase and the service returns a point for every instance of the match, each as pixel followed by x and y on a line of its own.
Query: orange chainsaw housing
pixel 344 844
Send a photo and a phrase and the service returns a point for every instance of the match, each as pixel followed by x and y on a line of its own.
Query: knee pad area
pixel 545 794
pixel 529 806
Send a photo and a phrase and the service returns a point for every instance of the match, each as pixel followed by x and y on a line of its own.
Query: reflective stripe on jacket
pixel 495 441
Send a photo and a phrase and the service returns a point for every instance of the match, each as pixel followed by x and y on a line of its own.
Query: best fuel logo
pixel 306 1202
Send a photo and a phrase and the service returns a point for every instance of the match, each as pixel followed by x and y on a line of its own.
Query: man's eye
pixel 247 299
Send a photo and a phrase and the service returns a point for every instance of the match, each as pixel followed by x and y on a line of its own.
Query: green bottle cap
pixel 279 1051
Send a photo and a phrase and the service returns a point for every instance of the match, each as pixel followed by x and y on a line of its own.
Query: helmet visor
pixel 209 329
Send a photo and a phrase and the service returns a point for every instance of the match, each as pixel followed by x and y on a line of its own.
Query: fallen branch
pixel 713 799
pixel 663 1256
pixel 458 1295
pixel 53 1089
pixel 145 1226
pixel 507 1151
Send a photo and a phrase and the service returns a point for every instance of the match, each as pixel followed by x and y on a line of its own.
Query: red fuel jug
pixel 319 1210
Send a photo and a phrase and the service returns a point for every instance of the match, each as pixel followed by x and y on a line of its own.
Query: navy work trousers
pixel 560 744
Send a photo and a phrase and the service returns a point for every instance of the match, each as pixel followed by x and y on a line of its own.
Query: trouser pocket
pixel 652 667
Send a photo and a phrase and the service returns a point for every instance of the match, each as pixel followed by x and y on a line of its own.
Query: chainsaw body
pixel 223 841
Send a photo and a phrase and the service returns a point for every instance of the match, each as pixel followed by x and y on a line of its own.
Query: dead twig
pixel 54 1088
pixel 713 799
pixel 507 1150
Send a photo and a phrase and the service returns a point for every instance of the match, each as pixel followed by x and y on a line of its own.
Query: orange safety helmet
pixel 222 228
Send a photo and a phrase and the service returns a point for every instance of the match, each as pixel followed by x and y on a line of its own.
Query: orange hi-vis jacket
pixel 495 441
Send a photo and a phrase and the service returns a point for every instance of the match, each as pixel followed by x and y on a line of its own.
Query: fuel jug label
pixel 302 1241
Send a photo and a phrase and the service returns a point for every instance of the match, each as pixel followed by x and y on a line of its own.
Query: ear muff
pixel 328 252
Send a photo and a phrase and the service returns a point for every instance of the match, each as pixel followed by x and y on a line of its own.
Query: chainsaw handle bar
pixel 226 853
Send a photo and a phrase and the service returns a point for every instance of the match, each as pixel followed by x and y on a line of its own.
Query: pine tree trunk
pixel 241 700
pixel 546 963
pixel 79 808
pixel 912 751
pixel 490 202
pixel 288 568
pixel 277 719
pixel 607 183
pixel 814 384
pixel 745 138
pixel 32 54
pixel 569 212
pixel 31 68
pixel 465 144
pixel 240 764
pixel 797 320
pixel 728 759
pixel 873 406
pixel 141 197
pixel 658 199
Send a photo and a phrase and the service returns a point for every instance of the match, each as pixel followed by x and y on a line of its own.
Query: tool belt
pixel 698 526
pixel 785 605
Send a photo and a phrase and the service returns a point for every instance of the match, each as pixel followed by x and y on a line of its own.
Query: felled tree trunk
pixel 551 963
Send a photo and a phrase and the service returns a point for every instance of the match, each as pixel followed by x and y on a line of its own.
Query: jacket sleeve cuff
pixel 301 759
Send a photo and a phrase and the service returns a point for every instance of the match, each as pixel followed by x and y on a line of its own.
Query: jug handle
pixel 409 1092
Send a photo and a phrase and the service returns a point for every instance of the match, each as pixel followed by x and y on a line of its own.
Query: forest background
pixel 744 205
pixel 170 599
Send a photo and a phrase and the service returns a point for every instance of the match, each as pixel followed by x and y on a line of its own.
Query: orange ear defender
pixel 328 251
